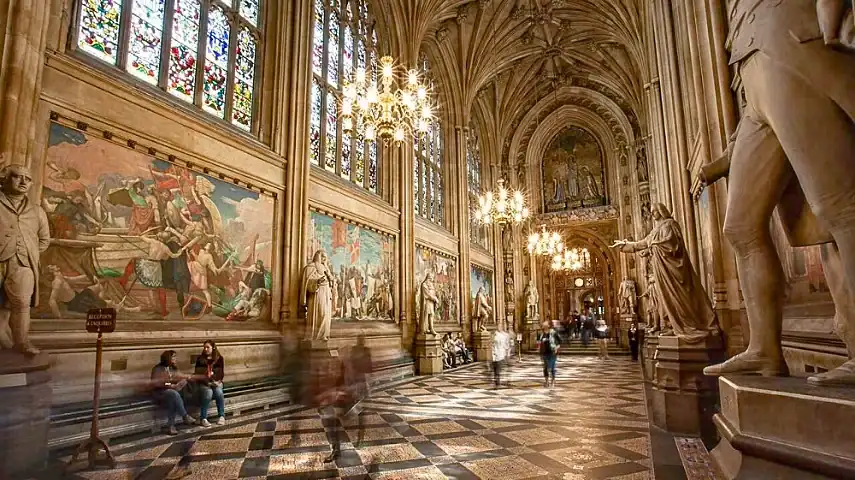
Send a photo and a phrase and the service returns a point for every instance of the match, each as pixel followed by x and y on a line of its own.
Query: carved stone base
pixel 648 355
pixel 483 346
pixel 24 412
pixel 785 429
pixel 626 319
pixel 428 354
pixel 683 397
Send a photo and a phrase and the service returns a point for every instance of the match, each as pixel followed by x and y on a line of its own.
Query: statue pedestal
pixel 626 319
pixel 648 354
pixel 24 412
pixel 785 429
pixel 683 397
pixel 483 346
pixel 532 327
pixel 428 354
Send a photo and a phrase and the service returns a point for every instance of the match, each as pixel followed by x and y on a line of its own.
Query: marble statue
pixel 627 294
pixel 654 319
pixel 683 299
pixel 427 301
pixel 531 301
pixel 797 156
pixel 482 311
pixel 316 297
pixel 24 235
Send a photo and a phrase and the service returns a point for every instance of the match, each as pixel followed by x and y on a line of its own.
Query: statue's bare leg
pixel 844 319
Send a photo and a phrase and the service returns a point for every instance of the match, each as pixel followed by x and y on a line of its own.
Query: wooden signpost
pixel 100 321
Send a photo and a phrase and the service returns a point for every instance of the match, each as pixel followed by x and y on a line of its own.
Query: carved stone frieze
pixel 591 214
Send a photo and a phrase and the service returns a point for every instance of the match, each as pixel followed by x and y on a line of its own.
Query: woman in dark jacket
pixel 167 383
pixel 209 375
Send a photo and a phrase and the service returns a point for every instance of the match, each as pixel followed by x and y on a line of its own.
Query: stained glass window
pixel 342 42
pixel 477 232
pixel 217 74
pixel 428 186
pixel 315 123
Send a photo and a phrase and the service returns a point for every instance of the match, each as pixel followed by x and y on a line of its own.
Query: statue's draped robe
pixel 427 300
pixel 680 295
pixel 318 299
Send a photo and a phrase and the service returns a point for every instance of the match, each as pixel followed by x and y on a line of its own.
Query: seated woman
pixel 167 383
pixel 464 353
pixel 208 376
pixel 447 352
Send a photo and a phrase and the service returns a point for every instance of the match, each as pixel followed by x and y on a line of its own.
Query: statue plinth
pixel 683 397
pixel 428 354
pixel 24 412
pixel 483 346
pixel 648 355
pixel 626 319
pixel 784 428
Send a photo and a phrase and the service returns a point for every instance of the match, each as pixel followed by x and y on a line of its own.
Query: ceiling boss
pixel 398 108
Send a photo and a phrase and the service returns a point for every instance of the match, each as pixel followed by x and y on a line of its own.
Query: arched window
pixel 205 52
pixel 344 38
pixel 428 160
pixel 477 232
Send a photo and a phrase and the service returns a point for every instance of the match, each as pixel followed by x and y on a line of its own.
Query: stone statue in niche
pixel 628 298
pixel 24 235
pixel 507 240
pixel 482 311
pixel 428 300
pixel 683 299
pixel 531 300
pixel 655 321
pixel 316 297
pixel 641 165
pixel 802 168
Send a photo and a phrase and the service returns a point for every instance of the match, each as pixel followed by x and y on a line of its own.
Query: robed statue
pixel 482 311
pixel 427 302
pixel 24 235
pixel 627 295
pixel 316 297
pixel 655 321
pixel 531 300
pixel 683 299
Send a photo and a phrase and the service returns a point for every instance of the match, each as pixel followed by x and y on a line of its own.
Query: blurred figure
pixel 633 341
pixel 296 371
pixel 602 334
pixel 501 347
pixel 208 376
pixel 328 395
pixel 548 345
pixel 460 346
pixel 360 367
pixel 167 383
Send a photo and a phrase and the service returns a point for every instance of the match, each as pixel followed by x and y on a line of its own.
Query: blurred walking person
pixel 501 347
pixel 548 345
pixel 601 331
pixel 360 367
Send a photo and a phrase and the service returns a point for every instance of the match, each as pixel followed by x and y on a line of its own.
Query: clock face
pixel 579 282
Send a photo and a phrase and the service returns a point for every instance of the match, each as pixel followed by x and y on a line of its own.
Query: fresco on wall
pixel 150 238
pixel 363 263
pixel 573 172
pixel 803 268
pixel 481 278
pixel 445 281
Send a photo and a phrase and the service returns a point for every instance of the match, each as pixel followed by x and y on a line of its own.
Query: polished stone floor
pixel 592 425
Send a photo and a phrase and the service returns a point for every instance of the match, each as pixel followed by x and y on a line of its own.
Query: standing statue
pixel 628 299
pixel 24 234
pixel 428 301
pixel 531 299
pixel 797 155
pixel 683 299
pixel 316 297
pixel 482 311
pixel 641 165
pixel 655 321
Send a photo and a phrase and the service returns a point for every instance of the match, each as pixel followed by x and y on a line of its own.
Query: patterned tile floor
pixel 591 425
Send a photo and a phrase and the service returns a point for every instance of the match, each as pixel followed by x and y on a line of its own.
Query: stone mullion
pixel 26 23
pixel 407 243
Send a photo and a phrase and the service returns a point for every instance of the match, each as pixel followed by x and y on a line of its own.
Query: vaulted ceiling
pixel 496 62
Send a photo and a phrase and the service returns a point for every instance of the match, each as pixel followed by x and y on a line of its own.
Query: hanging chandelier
pixel 573 259
pixel 545 243
pixel 501 207
pixel 391 111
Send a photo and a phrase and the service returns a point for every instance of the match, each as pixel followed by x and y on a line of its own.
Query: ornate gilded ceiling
pixel 497 62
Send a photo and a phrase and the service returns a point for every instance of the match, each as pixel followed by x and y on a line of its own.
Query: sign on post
pixel 101 320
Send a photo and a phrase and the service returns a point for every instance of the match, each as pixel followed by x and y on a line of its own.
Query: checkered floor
pixel 591 425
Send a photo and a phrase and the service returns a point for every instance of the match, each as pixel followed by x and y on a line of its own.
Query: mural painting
pixel 480 277
pixel 150 238
pixel 445 281
pixel 803 268
pixel 573 172
pixel 363 264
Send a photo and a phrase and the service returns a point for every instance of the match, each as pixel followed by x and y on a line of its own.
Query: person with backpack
pixel 548 344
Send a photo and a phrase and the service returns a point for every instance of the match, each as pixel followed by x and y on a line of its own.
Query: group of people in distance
pixel 454 351
pixel 170 388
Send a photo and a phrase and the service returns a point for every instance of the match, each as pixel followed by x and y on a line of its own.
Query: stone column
pixel 23 52
pixel 406 246
pixel 457 166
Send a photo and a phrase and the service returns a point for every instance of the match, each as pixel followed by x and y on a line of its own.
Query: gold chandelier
pixel 391 112
pixel 545 243
pixel 501 207
pixel 573 259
